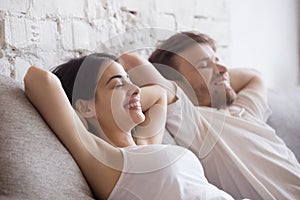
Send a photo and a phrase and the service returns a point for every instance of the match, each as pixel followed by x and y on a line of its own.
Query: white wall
pixel 264 35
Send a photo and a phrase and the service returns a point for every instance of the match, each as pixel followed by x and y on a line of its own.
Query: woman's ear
pixel 85 108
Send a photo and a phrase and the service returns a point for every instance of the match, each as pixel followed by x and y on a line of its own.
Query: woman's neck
pixel 122 139
pixel 113 135
pixel 117 138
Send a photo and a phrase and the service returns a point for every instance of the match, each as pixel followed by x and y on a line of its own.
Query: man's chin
pixel 222 101
pixel 230 96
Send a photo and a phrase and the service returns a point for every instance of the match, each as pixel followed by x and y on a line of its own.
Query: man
pixel 225 125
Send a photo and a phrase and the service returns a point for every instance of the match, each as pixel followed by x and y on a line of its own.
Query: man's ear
pixel 85 108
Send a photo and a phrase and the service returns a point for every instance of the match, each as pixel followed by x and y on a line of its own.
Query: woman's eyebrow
pixel 116 76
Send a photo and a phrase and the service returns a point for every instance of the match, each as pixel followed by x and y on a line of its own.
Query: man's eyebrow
pixel 115 76
pixel 216 58
pixel 202 59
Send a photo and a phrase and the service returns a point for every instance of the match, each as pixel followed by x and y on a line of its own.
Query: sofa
pixel 33 162
pixel 35 165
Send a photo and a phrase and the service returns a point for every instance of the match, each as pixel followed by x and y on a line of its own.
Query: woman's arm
pixel 154 106
pixel 143 73
pixel 44 91
pixel 156 93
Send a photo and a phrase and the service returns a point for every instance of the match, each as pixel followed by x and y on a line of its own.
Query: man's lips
pixel 222 80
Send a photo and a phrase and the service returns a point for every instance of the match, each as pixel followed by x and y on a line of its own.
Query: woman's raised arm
pixel 156 93
pixel 143 73
pixel 45 92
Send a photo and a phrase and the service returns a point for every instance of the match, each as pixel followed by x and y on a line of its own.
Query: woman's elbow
pixel 37 78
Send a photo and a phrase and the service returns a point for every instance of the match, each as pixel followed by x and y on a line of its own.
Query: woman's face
pixel 117 100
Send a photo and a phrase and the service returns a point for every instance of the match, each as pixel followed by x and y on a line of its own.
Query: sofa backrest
pixel 285 118
pixel 33 162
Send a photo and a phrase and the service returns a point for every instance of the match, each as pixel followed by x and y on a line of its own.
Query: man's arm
pixel 255 99
pixel 242 78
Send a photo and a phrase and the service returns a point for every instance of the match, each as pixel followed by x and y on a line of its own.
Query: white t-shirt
pixel 239 152
pixel 163 172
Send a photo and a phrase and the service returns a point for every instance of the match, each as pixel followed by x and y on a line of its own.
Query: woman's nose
pixel 134 89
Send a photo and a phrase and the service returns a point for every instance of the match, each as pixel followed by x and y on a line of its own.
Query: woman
pixel 149 171
pixel 79 78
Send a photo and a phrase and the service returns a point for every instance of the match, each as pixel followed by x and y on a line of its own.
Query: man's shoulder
pixel 254 103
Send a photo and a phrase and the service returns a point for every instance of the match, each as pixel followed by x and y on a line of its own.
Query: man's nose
pixel 221 68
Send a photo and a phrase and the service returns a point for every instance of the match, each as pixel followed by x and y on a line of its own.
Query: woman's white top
pixel 163 172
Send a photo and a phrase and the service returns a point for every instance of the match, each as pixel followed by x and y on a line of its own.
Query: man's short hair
pixel 166 51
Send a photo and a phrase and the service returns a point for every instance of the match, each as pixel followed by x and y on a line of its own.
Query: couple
pixel 225 128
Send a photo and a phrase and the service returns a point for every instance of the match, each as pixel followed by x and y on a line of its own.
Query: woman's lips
pixel 134 103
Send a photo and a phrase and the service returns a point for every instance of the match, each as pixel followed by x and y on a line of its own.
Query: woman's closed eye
pixel 122 82
pixel 119 81
pixel 119 84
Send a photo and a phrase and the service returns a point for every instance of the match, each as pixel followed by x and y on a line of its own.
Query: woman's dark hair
pixel 79 76
pixel 166 51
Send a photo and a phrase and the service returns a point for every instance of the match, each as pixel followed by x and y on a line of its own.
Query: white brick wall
pixel 18 32
pixel 15 6
pixel 46 33
pixel 65 8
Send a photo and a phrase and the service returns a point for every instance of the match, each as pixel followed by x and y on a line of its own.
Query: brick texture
pixel 47 33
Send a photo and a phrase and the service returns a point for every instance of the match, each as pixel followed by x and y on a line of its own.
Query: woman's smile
pixel 134 103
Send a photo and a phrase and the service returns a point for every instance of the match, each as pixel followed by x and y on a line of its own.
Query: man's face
pixel 209 80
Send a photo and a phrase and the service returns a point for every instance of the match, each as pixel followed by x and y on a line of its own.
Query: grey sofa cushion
pixel 285 118
pixel 33 162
